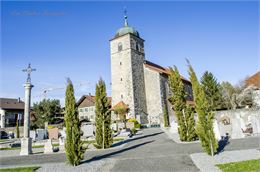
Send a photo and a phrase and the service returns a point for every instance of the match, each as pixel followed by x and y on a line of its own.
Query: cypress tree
pixel 73 144
pixel 191 132
pixel 212 89
pixel 204 127
pixel 103 117
pixel 178 100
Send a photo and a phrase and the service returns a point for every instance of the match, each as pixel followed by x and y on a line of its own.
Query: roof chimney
pixel 18 100
pixel 89 94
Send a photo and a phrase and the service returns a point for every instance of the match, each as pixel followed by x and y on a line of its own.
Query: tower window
pixel 137 47
pixel 120 46
pixel 121 79
pixel 121 96
pixel 120 63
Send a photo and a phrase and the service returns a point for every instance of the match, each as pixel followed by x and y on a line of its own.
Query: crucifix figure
pixel 29 70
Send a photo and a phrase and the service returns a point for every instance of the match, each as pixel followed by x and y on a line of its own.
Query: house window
pixel 120 46
pixel 86 109
pixel 121 79
pixel 120 63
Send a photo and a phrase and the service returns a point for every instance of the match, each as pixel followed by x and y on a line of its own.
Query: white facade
pixel 87 113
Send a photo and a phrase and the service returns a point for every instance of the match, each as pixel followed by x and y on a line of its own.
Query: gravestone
pixel 130 125
pixel 121 125
pixel 236 128
pixel 61 144
pixel 48 148
pixel 33 135
pixel 41 134
pixel 216 130
pixel 255 122
pixel 63 132
pixel 53 133
pixel 87 130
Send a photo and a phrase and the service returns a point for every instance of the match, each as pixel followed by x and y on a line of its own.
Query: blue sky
pixel 71 39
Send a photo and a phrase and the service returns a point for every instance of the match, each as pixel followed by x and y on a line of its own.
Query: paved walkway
pixel 207 163
pixel 151 151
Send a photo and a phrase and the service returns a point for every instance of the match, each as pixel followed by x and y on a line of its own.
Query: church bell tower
pixel 127 71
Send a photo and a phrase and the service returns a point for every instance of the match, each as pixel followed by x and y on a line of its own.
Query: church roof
pixel 254 80
pixel 160 69
pixel 126 29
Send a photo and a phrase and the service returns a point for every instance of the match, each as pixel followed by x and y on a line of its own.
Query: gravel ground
pixel 207 163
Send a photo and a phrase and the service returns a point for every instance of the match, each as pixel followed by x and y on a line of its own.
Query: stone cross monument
pixel 26 141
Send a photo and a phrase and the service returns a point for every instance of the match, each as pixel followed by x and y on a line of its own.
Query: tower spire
pixel 126 21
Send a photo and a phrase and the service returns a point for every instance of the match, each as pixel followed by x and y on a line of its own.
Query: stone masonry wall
pixel 153 95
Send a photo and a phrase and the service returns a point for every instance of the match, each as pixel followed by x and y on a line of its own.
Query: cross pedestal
pixel 26 141
pixel 26 146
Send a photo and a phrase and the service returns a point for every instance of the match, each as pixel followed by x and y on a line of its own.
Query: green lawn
pixel 242 166
pixel 36 146
pixel 3 140
pixel 22 169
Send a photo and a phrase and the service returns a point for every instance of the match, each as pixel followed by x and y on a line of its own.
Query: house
pixel 86 108
pixel 11 110
pixel 254 82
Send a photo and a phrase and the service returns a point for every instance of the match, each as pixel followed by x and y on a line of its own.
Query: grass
pixel 36 146
pixel 3 140
pixel 242 166
pixel 21 169
pixel 41 146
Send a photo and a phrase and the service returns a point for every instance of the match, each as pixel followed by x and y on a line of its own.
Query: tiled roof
pixel 7 103
pixel 160 69
pixel 121 104
pixel 87 101
pixel 254 80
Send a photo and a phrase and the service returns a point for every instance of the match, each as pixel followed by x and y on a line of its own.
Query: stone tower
pixel 127 71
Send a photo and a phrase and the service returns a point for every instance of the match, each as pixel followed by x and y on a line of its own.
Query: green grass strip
pixel 21 169
pixel 242 166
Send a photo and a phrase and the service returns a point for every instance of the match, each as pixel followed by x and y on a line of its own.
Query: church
pixel 137 83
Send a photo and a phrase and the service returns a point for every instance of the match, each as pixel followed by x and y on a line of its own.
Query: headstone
pixel 255 122
pixel 33 135
pixel 216 130
pixel 174 127
pixel 41 134
pixel 87 130
pixel 121 125
pixel 61 144
pixel 62 133
pixel 236 129
pixel 130 125
pixel 48 148
pixel 53 133
pixel 114 126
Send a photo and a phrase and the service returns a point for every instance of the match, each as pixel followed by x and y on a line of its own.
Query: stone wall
pixel 153 95
pixel 238 123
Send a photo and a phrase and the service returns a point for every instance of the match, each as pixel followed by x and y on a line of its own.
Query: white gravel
pixel 207 163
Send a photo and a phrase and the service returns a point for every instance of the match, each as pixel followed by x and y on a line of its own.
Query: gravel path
pixel 207 163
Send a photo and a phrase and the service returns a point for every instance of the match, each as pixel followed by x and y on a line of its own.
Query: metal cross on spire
pixel 125 12
pixel 29 70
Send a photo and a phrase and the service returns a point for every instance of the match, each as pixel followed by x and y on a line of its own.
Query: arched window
pixel 137 47
pixel 120 46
